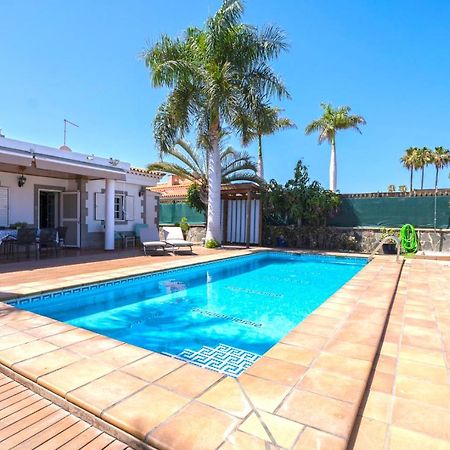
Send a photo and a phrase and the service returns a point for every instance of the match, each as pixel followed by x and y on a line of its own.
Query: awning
pixel 78 168
pixel 15 157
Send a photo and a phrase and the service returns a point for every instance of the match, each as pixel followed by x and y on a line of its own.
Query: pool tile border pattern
pixel 305 390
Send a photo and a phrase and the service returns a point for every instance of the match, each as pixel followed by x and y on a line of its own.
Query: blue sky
pixel 388 60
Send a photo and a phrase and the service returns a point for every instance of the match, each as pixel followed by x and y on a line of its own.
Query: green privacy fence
pixel 171 213
pixel 393 212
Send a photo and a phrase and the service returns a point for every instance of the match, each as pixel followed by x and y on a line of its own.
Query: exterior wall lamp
pixel 21 181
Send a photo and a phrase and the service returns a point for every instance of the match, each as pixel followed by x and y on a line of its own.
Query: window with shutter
pixel 99 206
pixel 129 207
pixel 4 207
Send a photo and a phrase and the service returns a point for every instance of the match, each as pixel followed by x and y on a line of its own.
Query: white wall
pixel 151 201
pixel 21 200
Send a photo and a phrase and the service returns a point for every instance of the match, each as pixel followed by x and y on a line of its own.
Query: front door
pixel 48 209
pixel 70 217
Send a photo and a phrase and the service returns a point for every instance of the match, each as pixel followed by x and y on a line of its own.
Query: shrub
pixel 211 243
pixel 184 225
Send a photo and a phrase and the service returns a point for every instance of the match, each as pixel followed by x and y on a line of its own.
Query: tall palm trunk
pixel 214 187
pixel 421 182
pixel 435 198
pixel 260 171
pixel 411 180
pixel 333 167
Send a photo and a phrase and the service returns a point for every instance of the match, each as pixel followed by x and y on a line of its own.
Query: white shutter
pixel 129 207
pixel 4 207
pixel 99 206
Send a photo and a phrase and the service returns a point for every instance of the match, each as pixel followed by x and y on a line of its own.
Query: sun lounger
pixel 150 239
pixel 173 236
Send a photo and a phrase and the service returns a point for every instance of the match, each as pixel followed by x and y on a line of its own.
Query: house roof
pixel 34 159
pixel 170 191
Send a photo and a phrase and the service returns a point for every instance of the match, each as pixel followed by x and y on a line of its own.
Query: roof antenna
pixel 65 147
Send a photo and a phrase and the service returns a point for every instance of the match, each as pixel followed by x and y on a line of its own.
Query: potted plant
pixel 389 244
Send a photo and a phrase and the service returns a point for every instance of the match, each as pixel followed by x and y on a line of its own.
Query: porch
pixel 89 197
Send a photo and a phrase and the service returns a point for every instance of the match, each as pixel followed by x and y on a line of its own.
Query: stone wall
pixel 362 240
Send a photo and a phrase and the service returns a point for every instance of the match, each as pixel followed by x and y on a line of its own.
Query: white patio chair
pixel 173 236
pixel 150 239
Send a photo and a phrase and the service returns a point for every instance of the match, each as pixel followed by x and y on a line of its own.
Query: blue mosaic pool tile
pixel 229 360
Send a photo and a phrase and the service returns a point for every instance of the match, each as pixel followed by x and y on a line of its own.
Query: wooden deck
pixel 28 421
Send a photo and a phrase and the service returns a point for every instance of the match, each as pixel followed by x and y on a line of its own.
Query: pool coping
pixel 329 342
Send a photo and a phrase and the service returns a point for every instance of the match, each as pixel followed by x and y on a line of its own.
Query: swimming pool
pixel 223 315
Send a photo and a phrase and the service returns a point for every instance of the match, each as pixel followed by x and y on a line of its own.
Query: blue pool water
pixel 223 315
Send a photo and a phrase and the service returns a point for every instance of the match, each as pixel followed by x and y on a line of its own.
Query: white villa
pixel 93 197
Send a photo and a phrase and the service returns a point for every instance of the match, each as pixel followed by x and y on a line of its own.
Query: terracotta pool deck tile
pixel 25 351
pixel 13 340
pixel 144 410
pixel 34 322
pixel 105 391
pixel 196 427
pixel 189 380
pixel 425 372
pixel 283 431
pixel 386 364
pixel 312 439
pixel 422 355
pixel 293 354
pixel 70 337
pixel 382 382
pixel 305 340
pixel 74 375
pixel 50 329
pixel 422 418
pixel 46 363
pixel 315 330
pixel 323 321
pixel 351 350
pixel 227 396
pixel 402 439
pixel 264 394
pixel 122 354
pixel 277 370
pixel 371 435
pixel 152 367
pixel 357 336
pixel 331 385
pixel 378 406
pixel 423 391
pixel 330 313
pixel 324 413
pixel 343 365
pixel 94 345
pixel 5 330
pixel 243 441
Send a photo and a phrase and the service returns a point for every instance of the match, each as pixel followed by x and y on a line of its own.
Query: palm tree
pixel 409 161
pixel 213 73
pixel 333 120
pixel 266 120
pixel 423 159
pixel 192 164
pixel 441 159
